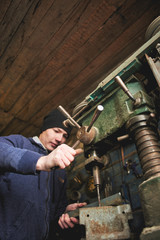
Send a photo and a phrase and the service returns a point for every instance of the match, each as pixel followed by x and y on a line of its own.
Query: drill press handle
pixel 96 114
pixel 68 116
pixel 84 134
pixel 124 88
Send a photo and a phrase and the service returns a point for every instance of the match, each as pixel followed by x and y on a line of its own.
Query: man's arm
pixel 15 159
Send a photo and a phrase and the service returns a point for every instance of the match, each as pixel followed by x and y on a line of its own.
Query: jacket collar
pixel 37 140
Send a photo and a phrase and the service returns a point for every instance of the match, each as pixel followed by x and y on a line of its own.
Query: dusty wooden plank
pixel 13 127
pixel 30 131
pixel 68 38
pixel 11 21
pixel 40 37
pixel 17 126
pixel 46 53
pixel 4 4
pixel 31 20
pixel 25 80
pixel 84 30
pixel 100 17
pixel 64 77
pixel 5 119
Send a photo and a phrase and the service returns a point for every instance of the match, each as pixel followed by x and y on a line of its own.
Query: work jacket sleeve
pixel 14 158
pixel 60 185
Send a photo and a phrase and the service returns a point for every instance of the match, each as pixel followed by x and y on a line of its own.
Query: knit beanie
pixel 55 119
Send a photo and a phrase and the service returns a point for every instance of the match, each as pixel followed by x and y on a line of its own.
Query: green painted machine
pixel 122 112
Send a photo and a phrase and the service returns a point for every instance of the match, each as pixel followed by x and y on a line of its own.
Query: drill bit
pixel 98 195
pixel 97 182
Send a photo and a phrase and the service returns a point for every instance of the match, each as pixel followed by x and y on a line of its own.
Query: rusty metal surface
pixel 84 136
pixel 106 222
pixel 113 200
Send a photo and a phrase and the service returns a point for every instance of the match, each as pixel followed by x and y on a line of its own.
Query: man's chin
pixel 51 148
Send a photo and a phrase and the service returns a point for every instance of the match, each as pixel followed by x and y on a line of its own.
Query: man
pixel 32 190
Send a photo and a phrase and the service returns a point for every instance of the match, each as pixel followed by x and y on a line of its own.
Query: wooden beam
pixel 11 21
pixel 23 65
pixel 28 25
pixel 5 119
pixel 4 5
pixel 17 126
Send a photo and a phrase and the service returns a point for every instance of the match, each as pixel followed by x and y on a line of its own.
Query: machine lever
pixel 76 144
pixel 65 113
pixel 124 88
pixel 96 114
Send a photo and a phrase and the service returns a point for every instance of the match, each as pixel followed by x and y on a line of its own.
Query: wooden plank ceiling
pixel 55 52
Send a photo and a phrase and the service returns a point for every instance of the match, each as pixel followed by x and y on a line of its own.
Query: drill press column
pixel 143 129
pixel 94 164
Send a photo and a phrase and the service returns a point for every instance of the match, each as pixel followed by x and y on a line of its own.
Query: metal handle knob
pixel 124 88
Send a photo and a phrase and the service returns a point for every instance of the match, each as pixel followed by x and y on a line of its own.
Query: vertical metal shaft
pixel 76 144
pixel 97 182
pixel 98 194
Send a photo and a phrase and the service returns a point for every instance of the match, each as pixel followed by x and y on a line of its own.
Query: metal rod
pixel 67 115
pixel 76 144
pixel 124 88
pixel 98 111
pixel 98 194
pixel 121 138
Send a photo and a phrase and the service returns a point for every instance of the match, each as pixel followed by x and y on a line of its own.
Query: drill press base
pixel 107 222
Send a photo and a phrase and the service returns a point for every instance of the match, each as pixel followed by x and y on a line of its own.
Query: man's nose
pixel 59 137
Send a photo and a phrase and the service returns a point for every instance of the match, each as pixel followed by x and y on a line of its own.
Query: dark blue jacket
pixel 29 200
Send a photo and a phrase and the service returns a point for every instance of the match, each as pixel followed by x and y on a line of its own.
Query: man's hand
pixel 61 157
pixel 65 221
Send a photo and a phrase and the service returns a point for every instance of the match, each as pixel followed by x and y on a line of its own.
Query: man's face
pixel 53 137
